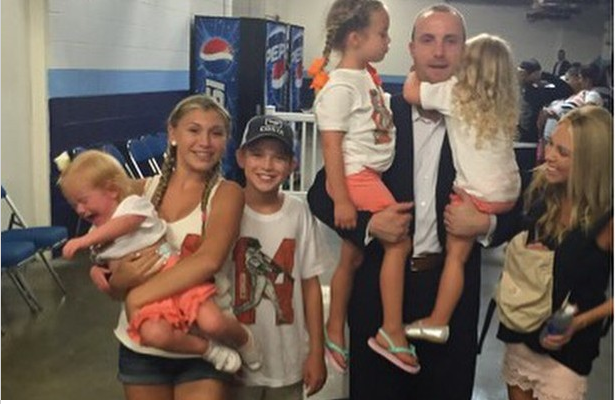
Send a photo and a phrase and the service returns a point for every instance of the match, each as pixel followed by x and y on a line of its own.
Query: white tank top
pixel 176 232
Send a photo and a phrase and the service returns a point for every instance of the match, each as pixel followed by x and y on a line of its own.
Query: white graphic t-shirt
pixel 272 256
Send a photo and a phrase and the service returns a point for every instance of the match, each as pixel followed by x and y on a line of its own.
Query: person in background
pixel 278 259
pixel 534 96
pixel 423 172
pixel 568 210
pixel 582 80
pixel 538 89
pixel 562 65
pixel 190 185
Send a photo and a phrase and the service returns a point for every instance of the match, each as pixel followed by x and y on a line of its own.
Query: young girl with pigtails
pixel 358 140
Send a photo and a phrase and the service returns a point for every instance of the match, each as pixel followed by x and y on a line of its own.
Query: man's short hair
pixel 440 8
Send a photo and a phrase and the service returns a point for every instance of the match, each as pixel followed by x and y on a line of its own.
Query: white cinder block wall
pixel 99 47
pixel 86 47
pixel 24 115
pixel 122 46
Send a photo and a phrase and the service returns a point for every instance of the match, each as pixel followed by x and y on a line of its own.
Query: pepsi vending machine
pixel 296 68
pixel 244 64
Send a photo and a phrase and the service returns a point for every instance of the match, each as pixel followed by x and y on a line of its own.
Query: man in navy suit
pixel 423 173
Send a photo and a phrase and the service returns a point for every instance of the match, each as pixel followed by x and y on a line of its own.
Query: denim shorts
pixel 137 368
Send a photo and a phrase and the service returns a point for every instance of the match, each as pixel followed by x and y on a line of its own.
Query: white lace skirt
pixel 547 378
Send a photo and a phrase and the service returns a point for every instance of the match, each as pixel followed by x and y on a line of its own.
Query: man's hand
pixel 314 373
pixel 345 215
pixel 463 219
pixel 391 224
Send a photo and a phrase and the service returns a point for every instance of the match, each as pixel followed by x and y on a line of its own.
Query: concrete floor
pixel 69 352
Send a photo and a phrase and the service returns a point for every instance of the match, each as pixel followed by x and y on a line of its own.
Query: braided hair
pixel 204 103
pixel 346 16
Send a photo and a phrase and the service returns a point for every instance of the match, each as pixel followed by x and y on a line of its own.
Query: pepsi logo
pixel 217 55
pixel 277 31
pixel 278 74
pixel 298 75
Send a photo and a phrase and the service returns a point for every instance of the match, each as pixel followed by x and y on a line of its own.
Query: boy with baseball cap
pixel 278 258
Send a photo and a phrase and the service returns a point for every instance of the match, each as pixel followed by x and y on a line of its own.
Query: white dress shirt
pixel 428 136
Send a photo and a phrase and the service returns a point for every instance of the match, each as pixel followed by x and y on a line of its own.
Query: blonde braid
pixel 167 170
pixel 326 52
pixel 211 180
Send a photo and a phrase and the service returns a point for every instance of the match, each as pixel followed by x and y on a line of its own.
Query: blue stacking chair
pixel 44 238
pixel 157 147
pixel 142 158
pixel 162 138
pixel 15 255
pixel 111 149
pixel 76 150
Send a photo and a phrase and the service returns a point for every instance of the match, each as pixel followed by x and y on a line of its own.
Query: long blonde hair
pixel 487 93
pixel 204 103
pixel 590 182
pixel 98 170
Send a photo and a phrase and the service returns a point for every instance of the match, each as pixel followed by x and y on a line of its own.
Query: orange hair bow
pixel 317 71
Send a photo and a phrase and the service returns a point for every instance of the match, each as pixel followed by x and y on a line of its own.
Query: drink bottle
pixel 559 322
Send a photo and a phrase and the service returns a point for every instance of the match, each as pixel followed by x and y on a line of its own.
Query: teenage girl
pixel 125 223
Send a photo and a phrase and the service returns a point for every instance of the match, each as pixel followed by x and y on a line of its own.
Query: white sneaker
pixel 223 358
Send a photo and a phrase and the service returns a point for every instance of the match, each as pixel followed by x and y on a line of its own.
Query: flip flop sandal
pixel 389 353
pixel 332 347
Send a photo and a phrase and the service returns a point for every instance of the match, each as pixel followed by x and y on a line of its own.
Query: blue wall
pixel 89 121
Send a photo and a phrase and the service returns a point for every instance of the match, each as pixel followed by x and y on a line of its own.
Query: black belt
pixel 427 262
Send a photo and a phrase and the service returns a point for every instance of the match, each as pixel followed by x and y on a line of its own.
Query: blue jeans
pixel 137 368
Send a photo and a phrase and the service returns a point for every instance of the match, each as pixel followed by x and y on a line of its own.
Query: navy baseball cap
pixel 270 127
